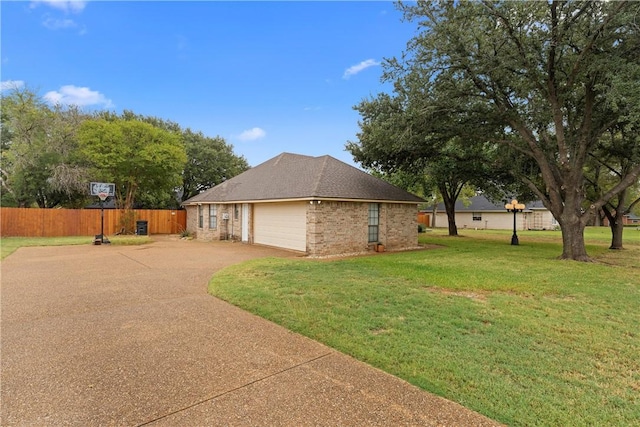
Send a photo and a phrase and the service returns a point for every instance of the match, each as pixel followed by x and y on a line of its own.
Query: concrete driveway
pixel 127 336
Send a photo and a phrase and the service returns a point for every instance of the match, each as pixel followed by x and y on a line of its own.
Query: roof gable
pixel 294 176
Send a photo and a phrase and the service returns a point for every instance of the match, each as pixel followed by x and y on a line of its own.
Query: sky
pixel 268 77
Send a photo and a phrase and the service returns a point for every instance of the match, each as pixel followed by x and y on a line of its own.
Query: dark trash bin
pixel 141 228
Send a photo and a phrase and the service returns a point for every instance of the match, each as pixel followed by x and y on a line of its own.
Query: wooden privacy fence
pixel 424 218
pixel 34 222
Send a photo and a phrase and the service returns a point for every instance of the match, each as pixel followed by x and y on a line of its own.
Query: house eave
pixel 300 199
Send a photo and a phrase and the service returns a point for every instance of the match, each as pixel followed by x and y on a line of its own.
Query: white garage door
pixel 283 225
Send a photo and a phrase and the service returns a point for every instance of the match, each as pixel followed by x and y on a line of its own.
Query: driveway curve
pixel 128 336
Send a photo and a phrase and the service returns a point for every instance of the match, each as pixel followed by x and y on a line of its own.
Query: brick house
pixel 316 205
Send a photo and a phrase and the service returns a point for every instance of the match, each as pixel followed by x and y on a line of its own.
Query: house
pixel 631 219
pixel 316 205
pixel 628 219
pixel 481 213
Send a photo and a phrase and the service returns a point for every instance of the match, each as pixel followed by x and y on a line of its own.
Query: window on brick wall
pixel 477 216
pixel 200 217
pixel 374 222
pixel 213 217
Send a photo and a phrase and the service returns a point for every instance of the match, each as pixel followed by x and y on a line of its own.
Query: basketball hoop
pixel 103 196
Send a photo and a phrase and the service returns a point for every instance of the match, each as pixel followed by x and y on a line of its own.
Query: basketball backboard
pixel 95 188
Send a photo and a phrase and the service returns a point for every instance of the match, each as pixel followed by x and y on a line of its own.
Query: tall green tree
pixel 617 152
pixel 69 173
pixel 39 152
pixel 134 155
pixel 554 75
pixel 210 161
pixel 449 152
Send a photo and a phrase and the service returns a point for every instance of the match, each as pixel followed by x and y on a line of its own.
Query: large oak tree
pixel 556 76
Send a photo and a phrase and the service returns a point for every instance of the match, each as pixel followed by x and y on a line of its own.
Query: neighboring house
pixel 628 219
pixel 631 219
pixel 481 213
pixel 316 205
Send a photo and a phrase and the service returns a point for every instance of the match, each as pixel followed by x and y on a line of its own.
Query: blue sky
pixel 268 77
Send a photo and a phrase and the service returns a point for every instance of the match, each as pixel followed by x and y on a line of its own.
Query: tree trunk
pixel 617 229
pixel 434 213
pixel 449 197
pixel 450 207
pixel 617 224
pixel 573 246
pixel 598 218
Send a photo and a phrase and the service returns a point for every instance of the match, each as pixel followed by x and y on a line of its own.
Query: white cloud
pixel 355 69
pixel 11 84
pixel 75 6
pixel 252 134
pixel 58 24
pixel 66 6
pixel 80 96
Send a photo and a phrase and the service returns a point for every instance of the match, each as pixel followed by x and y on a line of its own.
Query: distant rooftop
pixel 482 204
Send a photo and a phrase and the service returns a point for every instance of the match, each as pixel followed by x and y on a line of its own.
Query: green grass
pixel 509 331
pixel 9 245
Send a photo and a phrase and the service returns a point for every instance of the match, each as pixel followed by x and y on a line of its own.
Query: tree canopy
pixel 39 152
pixel 51 153
pixel 539 82
pixel 210 162
pixel 133 155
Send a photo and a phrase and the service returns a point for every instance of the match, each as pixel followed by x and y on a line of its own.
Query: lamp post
pixel 514 207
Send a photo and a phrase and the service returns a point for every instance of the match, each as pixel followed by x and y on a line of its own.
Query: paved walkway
pixel 127 336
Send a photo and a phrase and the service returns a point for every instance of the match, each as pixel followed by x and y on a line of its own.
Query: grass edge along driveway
pixel 508 331
pixel 9 245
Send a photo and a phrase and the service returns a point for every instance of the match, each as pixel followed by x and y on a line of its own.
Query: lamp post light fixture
pixel 514 207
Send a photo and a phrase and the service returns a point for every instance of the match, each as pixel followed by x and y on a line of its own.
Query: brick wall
pixel 400 226
pixel 332 227
pixel 342 227
pixel 192 219
pixel 229 229
pixel 336 228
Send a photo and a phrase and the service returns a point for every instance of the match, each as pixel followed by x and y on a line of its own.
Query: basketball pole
pixel 101 220
pixel 102 190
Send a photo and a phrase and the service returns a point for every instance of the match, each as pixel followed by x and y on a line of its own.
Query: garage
pixel 282 225
pixel 314 205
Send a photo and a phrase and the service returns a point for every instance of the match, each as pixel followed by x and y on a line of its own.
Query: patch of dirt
pixel 477 296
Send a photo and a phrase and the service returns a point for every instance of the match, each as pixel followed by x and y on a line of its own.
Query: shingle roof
pixel 293 176
pixel 482 204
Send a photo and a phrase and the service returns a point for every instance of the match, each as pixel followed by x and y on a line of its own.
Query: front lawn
pixel 508 331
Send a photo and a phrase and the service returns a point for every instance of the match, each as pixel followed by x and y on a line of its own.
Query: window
pixel 374 221
pixel 236 212
pixel 213 217
pixel 200 217
pixel 477 216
